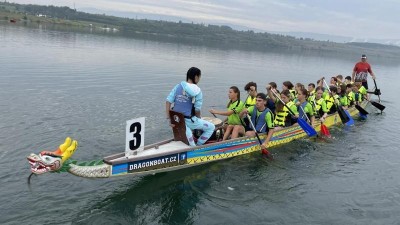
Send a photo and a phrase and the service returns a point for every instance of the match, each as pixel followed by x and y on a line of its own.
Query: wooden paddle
pixel 343 116
pixel 264 150
pixel 310 131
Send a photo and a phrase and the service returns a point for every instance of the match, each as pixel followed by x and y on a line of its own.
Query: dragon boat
pixel 167 155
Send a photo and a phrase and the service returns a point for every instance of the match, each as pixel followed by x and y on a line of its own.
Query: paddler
pixel 271 99
pixel 311 93
pixel 287 85
pixel 320 104
pixel 342 94
pixel 283 117
pixel 332 99
pixel 235 126
pixel 305 109
pixel 251 89
pixel 261 117
pixel 350 94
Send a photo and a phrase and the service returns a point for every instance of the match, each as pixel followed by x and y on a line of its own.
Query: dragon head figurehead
pixel 47 161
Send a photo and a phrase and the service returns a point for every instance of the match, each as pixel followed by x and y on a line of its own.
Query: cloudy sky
pixel 352 18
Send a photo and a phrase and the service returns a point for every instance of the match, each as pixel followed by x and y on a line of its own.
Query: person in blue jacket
pixel 187 99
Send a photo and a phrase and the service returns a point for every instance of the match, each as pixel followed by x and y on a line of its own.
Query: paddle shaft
pixel 254 128
pixel 263 148
pixel 375 84
pixel 376 88
pixel 327 86
pixel 308 119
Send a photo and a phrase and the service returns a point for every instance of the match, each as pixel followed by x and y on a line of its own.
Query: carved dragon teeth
pixel 99 171
pixel 42 163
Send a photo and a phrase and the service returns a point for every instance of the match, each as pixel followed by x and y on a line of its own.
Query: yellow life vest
pixel 318 104
pixel 250 101
pixel 311 100
pixel 281 116
pixel 311 97
pixel 329 101
pixel 351 97
pixel 293 93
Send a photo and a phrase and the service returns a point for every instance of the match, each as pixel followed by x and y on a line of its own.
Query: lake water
pixel 55 84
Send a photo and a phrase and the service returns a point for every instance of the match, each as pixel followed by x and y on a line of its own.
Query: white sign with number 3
pixel 134 136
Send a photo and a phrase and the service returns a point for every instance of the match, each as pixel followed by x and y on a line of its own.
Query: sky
pixel 350 18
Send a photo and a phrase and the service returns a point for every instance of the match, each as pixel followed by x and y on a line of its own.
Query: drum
pixel 218 132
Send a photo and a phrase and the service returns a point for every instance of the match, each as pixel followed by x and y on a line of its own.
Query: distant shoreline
pixel 19 18
pixel 187 33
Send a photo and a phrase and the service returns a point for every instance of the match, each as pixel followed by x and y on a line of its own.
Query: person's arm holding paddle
pixel 262 124
pixel 269 118
pixel 269 122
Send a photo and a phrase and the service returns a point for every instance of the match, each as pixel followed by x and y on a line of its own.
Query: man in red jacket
pixel 361 70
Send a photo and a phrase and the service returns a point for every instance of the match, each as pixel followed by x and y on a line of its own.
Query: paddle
pixel 361 110
pixel 264 150
pixel 343 116
pixel 310 131
pixel 324 130
pixel 377 105
pixel 305 114
pixel 351 121
pixel 377 91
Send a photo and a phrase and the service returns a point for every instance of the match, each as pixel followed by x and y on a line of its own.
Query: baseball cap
pixel 363 56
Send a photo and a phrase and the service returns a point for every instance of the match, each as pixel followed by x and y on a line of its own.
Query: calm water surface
pixel 55 84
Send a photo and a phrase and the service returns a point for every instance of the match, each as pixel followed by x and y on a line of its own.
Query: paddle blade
pixel 351 121
pixel 378 105
pixel 361 110
pixel 266 153
pixel 325 131
pixel 362 116
pixel 310 131
pixel 343 116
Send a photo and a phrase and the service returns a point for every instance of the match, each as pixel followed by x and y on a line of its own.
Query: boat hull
pixel 156 160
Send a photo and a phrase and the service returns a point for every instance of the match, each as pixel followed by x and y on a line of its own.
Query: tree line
pixel 192 33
